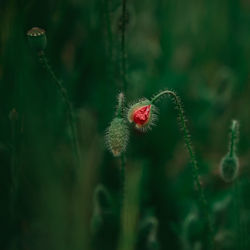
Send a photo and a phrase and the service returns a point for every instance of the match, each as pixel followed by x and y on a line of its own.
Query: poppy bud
pixel 37 39
pixel 117 136
pixel 229 168
pixel 142 114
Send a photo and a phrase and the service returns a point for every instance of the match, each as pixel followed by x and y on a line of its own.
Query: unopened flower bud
pixel 37 39
pixel 117 136
pixel 142 114
pixel 229 168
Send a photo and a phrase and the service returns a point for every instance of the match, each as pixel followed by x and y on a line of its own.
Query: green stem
pixel 122 179
pixel 237 212
pixel 123 46
pixel 109 31
pixel 234 137
pixel 14 178
pixel 14 218
pixel 124 88
pixel 64 94
pixel 123 157
pixel 195 169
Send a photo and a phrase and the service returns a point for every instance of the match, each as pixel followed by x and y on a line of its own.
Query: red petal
pixel 142 114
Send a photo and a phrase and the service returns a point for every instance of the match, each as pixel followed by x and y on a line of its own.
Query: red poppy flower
pixel 142 114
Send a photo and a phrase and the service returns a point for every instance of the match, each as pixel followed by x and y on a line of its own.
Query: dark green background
pixel 200 49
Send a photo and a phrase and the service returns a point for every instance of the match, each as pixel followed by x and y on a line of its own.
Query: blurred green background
pixel 200 49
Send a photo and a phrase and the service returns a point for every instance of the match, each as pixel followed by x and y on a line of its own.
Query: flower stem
pixel 124 89
pixel 14 169
pixel 123 45
pixel 122 178
pixel 15 176
pixel 234 137
pixel 64 94
pixel 195 168
pixel 237 211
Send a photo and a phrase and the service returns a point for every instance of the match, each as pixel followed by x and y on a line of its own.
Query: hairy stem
pixel 194 164
pixel 64 94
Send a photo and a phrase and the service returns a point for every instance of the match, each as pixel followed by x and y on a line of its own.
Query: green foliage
pixel 53 119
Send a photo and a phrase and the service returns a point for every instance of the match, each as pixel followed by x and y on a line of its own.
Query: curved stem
pixel 195 169
pixel 66 100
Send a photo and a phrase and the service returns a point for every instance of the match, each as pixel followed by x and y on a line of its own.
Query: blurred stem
pixel 66 100
pixel 195 169
pixel 128 232
pixel 109 31
pixel 234 137
pixel 14 179
pixel 13 116
pixel 240 225
pixel 123 179
pixel 123 46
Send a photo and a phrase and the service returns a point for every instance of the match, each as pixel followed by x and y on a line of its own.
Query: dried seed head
pixel 37 39
pixel 229 168
pixel 117 136
pixel 142 114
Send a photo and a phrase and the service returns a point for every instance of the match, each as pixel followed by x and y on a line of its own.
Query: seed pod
pixel 117 136
pixel 142 114
pixel 37 39
pixel 229 168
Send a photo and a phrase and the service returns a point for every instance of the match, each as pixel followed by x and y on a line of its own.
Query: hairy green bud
pixel 37 39
pixel 117 136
